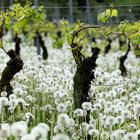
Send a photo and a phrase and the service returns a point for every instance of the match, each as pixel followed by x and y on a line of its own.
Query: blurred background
pixel 84 10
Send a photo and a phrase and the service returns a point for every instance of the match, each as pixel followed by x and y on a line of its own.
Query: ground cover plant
pixel 80 92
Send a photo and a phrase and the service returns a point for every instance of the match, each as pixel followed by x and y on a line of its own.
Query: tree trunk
pixel 42 45
pixel 14 65
pixel 83 77
pixel 17 44
pixel 122 60
pixel 108 47
pixel 82 80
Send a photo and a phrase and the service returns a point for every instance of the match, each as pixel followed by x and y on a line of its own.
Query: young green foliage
pixel 17 17
pixel 104 16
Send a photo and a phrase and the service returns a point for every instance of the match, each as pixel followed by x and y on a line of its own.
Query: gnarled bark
pixel 122 60
pixel 17 40
pixel 108 47
pixel 14 65
pixel 42 45
pixel 83 77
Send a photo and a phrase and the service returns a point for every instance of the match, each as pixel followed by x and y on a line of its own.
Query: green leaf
pixel 16 28
pixel 69 39
pixel 135 38
pixel 114 13
pixel 104 16
pixel 76 27
pixel 75 39
pixel 107 11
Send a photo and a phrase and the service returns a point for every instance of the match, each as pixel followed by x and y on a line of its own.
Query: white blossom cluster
pixel 41 106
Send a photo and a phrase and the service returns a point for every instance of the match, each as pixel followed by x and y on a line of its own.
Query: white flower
pixel 126 114
pixel 110 121
pixel 136 109
pixel 48 107
pixel 91 126
pixel 30 98
pixel 114 136
pixel 39 133
pixel 21 101
pixel 28 116
pixel 44 126
pixel 4 101
pixel 108 104
pixel 78 113
pixel 94 132
pixel 130 136
pixel 28 137
pixel 19 129
pixel 72 122
pixel 102 102
pixel 3 94
pixel 137 133
pixel 113 93
pixel 103 119
pixel 11 109
pixel 5 130
pixel 18 91
pixel 104 135
pixel 92 121
pixel 118 110
pixel 120 133
pixel 119 119
pixel 61 108
pixel 85 126
pixel 132 127
pixel 87 105
pixel 61 137
pixel 63 120
pixel 12 97
pixel 97 106
pixel 57 129
pixel 13 103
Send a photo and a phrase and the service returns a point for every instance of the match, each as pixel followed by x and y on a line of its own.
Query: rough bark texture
pixel 122 60
pixel 83 77
pixel 42 44
pixel 108 47
pixel 14 65
pixel 17 44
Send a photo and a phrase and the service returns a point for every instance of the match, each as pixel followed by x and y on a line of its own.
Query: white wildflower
pixel 61 108
pixel 63 120
pixel 28 137
pixel 136 109
pixel 44 126
pixel 130 136
pixel 19 129
pixel 104 135
pixel 94 132
pixel 87 105
pixel 5 130
pixel 39 133
pixel 61 137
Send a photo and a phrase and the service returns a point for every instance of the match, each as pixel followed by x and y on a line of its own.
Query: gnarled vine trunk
pixel 83 76
pixel 14 65
pixel 108 47
pixel 42 45
pixel 17 40
pixel 122 60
